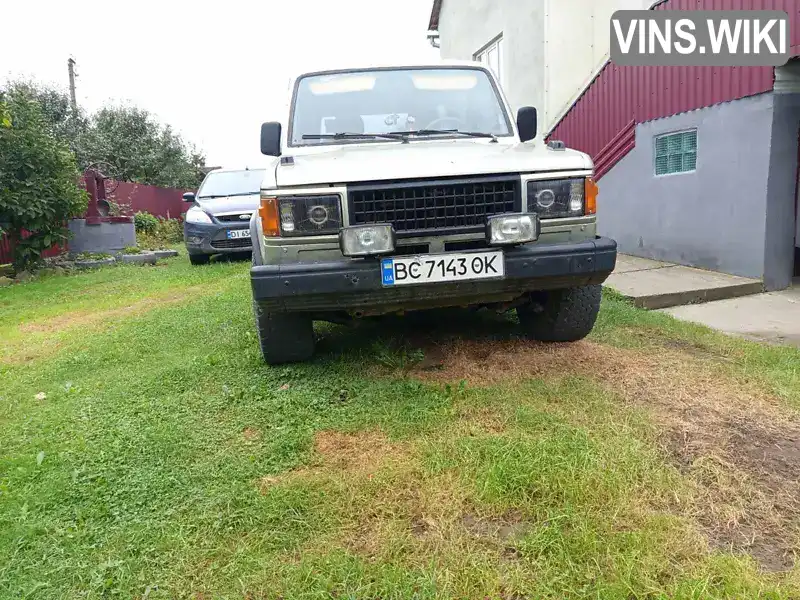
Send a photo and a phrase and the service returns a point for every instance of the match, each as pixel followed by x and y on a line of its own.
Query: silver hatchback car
pixel 219 220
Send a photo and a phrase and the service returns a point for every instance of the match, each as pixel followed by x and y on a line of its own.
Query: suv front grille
pixel 447 205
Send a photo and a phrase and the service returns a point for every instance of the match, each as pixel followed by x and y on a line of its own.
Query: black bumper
pixel 212 238
pixel 355 285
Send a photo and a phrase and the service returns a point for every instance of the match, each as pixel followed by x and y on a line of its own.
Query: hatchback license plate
pixel 436 268
pixel 235 234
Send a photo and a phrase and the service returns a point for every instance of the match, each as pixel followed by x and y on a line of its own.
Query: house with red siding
pixel 698 165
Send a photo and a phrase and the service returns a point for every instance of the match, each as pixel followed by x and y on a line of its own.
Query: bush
pixel 145 223
pixel 170 230
pixel 167 232
pixel 39 178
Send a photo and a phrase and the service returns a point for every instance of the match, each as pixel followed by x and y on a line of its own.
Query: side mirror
pixel 271 139
pixel 188 197
pixel 526 123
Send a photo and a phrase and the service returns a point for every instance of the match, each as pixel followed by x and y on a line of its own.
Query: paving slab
pixel 772 317
pixel 627 264
pixel 654 284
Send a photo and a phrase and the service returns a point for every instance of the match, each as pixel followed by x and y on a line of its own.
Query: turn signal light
pixel 591 190
pixel 268 211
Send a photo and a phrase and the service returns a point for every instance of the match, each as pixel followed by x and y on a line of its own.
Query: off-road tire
pixel 284 338
pixel 199 259
pixel 566 315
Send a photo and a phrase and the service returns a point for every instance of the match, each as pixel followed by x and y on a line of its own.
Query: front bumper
pixel 354 285
pixel 211 238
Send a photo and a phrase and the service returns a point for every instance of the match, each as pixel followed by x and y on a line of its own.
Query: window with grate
pixel 676 152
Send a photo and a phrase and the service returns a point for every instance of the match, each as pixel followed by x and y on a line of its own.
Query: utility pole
pixel 72 100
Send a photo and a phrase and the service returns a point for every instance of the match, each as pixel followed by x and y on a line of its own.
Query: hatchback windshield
pixel 231 183
pixel 395 100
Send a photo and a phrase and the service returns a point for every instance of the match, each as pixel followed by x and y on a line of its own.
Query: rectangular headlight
pixel 366 240
pixel 309 215
pixel 556 198
pixel 512 229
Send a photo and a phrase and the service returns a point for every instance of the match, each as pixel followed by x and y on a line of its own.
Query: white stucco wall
pixel 551 48
pixel 577 43
pixel 466 26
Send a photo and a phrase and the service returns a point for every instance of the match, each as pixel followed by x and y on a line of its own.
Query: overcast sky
pixel 213 70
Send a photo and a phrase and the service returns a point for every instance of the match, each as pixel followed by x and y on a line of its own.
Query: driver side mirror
pixel 188 197
pixel 526 123
pixel 271 139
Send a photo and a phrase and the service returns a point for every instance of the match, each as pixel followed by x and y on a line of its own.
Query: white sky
pixel 213 70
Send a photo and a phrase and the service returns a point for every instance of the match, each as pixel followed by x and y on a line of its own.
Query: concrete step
pixel 654 284
pixel 773 317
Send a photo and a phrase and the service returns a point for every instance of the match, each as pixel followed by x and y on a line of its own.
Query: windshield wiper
pixel 393 135
pixel 475 134
pixel 227 195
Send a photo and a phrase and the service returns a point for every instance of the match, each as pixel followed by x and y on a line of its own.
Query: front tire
pixel 199 259
pixel 566 315
pixel 284 338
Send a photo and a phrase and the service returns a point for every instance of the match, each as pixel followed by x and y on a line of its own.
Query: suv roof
pixel 403 65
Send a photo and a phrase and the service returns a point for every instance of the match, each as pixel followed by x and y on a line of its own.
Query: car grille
pixel 418 207
pixel 233 218
pixel 237 243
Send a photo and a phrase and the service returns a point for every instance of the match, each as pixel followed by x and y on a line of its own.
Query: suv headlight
pixel 197 215
pixel 555 198
pixel 309 215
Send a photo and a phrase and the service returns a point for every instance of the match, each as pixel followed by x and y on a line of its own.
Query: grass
pixel 147 452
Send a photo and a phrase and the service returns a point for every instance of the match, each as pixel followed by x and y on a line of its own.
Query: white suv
pixel 411 187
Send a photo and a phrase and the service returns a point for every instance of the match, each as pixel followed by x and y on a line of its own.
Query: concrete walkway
pixel 772 317
pixel 653 284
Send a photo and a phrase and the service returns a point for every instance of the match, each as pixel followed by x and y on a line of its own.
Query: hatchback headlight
pixel 197 215
pixel 309 215
pixel 555 198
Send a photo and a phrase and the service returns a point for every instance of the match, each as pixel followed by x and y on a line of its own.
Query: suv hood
pixel 226 204
pixel 424 159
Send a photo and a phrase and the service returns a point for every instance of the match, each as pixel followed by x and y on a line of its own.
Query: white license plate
pixel 436 268
pixel 235 234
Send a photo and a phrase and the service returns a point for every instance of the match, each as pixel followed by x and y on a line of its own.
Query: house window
pixel 676 152
pixel 492 56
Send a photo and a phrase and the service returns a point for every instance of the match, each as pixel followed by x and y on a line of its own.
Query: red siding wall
pixel 620 96
pixel 162 202
pixel 7 250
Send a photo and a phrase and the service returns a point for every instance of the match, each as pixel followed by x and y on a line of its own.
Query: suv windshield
pixel 386 101
pixel 231 183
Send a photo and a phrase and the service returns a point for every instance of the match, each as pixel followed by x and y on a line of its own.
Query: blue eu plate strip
pixel 387 270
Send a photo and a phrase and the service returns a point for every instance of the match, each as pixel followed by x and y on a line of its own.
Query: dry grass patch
pixel 251 434
pixel 737 442
pixel 41 338
pixel 392 506
pixel 352 457
pixel 87 318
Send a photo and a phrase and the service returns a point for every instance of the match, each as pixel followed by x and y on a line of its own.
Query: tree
pixel 64 123
pixel 130 139
pixel 142 150
pixel 39 187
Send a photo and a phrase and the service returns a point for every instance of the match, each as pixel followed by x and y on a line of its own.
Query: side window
pixel 676 152
pixel 492 56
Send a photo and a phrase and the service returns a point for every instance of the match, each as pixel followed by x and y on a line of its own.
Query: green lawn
pixel 147 452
